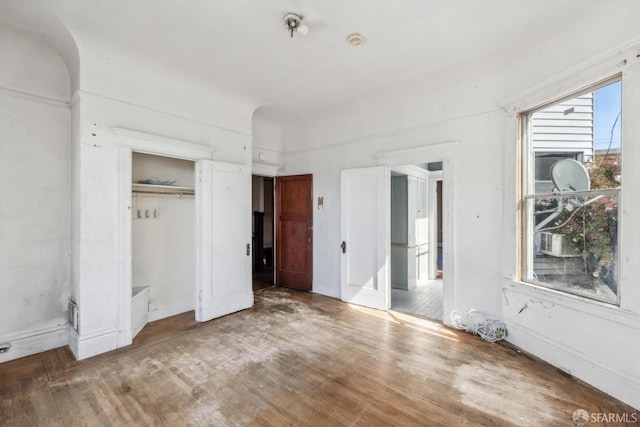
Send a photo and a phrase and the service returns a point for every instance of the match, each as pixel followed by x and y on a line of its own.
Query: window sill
pixel 574 302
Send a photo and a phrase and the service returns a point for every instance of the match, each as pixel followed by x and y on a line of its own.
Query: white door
pixel 223 236
pixel 365 234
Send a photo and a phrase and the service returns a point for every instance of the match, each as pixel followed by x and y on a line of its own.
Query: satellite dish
pixel 569 175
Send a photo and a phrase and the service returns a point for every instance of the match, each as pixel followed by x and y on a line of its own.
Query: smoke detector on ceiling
pixel 355 39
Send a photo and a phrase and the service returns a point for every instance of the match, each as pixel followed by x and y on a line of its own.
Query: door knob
pixel 344 247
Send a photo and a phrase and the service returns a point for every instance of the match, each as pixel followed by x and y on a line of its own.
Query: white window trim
pixel 623 62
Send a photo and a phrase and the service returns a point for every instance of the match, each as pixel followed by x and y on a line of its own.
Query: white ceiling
pixel 242 46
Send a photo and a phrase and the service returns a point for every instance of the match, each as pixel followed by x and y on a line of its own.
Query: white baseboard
pixel 87 345
pixel 35 341
pixel 170 310
pixel 609 380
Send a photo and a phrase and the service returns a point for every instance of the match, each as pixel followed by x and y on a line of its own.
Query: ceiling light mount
pixel 293 23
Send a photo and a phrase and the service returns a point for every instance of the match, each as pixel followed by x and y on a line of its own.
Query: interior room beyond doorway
pixel 263 231
pixel 416 240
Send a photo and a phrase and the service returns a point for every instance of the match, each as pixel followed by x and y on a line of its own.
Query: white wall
pixel 463 106
pixel 268 142
pixel 35 195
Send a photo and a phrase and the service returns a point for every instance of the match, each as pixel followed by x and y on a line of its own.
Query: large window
pixel 571 190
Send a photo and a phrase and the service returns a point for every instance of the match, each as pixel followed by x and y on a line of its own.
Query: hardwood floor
pixel 423 301
pixel 296 358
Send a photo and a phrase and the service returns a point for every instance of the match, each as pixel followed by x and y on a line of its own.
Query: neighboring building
pixel 563 131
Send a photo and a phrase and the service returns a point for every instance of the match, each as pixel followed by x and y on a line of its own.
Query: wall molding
pixel 18 94
pixel 79 93
pixel 412 155
pixel 581 75
pixel 35 341
pixel 155 144
pixel 392 133
pixel 95 343
pixel 264 169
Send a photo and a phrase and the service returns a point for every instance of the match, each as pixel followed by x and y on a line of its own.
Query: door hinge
pixel 248 249
pixel 343 245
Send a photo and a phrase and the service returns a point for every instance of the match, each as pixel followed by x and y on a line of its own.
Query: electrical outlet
pixel 4 347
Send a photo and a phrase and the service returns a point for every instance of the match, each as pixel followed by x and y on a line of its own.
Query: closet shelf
pixel 161 189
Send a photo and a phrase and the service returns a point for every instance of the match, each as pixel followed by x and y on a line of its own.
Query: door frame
pixel 444 152
pixel 269 171
pixel 127 142
pixel 434 177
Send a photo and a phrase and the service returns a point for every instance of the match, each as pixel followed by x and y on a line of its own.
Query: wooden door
pixel 223 230
pixel 366 236
pixel 294 231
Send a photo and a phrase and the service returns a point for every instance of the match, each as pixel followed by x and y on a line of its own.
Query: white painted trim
pixel 582 75
pixel 125 334
pixel 264 169
pixel 161 145
pixel 411 170
pixel 588 306
pixel 35 341
pixel 96 343
pixel 434 177
pixel 611 381
pixel 414 155
pixel 391 134
pixel 58 103
pixel 170 310
pixel 270 150
pixel 160 112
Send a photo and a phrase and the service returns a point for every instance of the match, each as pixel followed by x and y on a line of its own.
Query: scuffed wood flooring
pixel 296 358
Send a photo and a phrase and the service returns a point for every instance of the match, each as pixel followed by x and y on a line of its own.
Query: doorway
pixel 416 240
pixel 294 231
pixel 262 263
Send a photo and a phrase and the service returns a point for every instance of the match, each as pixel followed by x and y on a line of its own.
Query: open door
pixel 365 233
pixel 223 235
pixel 294 231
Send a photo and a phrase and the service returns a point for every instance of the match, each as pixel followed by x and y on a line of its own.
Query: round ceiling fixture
pixel 355 39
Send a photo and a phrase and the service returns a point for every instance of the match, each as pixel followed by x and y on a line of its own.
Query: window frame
pixel 527 190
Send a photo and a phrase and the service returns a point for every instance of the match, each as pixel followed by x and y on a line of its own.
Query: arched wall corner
pixel 36 18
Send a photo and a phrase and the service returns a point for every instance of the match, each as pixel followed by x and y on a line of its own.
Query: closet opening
pixel 162 238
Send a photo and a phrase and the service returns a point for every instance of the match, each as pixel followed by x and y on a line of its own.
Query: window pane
pixel 571 241
pixel 575 245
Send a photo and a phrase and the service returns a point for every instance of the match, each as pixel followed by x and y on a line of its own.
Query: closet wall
pixel 163 234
